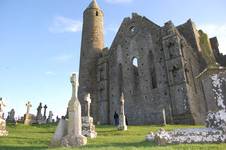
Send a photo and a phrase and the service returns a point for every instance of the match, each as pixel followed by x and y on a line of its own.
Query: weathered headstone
pixel 29 118
pixel 39 112
pixel 73 137
pixel 3 131
pixel 11 116
pixel 39 118
pixel 50 117
pixel 122 118
pixel 88 128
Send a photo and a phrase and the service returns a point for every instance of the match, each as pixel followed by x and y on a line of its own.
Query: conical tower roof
pixel 93 4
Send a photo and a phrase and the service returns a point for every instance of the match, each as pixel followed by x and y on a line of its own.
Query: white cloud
pixel 50 73
pixel 62 24
pixel 118 1
pixel 218 30
pixel 63 58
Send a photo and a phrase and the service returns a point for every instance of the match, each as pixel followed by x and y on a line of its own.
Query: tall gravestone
pixel 45 107
pixel 39 118
pixel 50 117
pixel 39 112
pixel 69 132
pixel 11 116
pixel 29 118
pixel 3 131
pixel 122 118
pixel 88 128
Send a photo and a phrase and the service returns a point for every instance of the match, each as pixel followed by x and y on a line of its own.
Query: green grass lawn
pixel 37 137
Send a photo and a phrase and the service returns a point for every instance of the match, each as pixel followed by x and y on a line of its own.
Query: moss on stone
pixel 206 49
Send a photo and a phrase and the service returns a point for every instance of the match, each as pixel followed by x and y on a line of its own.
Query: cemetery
pixel 156 87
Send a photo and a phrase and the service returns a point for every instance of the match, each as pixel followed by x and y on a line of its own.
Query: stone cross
pixel 45 107
pixel 2 105
pixel 74 110
pixel 87 106
pixel 74 84
pixel 74 135
pixel 28 107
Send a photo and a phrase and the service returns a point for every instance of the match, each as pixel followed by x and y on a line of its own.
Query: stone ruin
pixel 158 64
pixel 3 131
pixel 215 131
pixel 69 132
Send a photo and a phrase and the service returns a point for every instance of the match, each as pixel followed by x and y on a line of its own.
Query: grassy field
pixel 37 137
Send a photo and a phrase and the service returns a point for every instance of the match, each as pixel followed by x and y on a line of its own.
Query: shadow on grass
pixel 123 145
pixel 23 148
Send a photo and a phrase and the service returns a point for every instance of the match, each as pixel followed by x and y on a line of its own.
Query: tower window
pixel 97 14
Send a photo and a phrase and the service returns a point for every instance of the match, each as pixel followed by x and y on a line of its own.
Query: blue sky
pixel 40 41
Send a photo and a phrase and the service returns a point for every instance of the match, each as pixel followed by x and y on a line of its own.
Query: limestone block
pixel 162 137
pixel 122 123
pixel 29 119
pixel 216 120
pixel 74 141
pixel 150 137
pixel 188 136
pixel 88 129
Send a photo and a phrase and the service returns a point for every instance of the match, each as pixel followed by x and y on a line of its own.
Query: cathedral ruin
pixel 156 67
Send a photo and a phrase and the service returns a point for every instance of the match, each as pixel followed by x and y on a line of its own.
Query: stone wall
pixel 155 67
pixel 145 86
pixel 210 96
pixel 220 58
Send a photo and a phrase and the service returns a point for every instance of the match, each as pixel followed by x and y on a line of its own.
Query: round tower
pixel 91 48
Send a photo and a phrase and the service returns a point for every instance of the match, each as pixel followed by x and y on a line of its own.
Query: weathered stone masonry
pixel 155 67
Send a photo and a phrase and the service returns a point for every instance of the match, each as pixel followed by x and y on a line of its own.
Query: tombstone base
pixel 29 119
pixel 124 128
pixel 88 129
pixel 122 123
pixel 74 141
pixel 3 133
